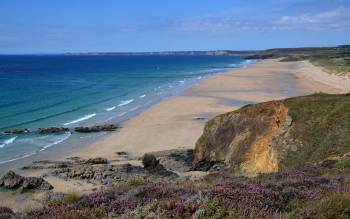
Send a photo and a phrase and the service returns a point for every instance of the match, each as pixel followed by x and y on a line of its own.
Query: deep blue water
pixel 69 91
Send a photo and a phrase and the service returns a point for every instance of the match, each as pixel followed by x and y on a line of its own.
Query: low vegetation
pixel 322 123
pixel 312 191
pixel 333 59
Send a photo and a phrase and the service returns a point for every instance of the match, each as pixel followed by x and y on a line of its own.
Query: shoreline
pixel 300 78
pixel 177 122
pixel 79 142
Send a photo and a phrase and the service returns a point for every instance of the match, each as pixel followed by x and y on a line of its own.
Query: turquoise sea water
pixel 69 91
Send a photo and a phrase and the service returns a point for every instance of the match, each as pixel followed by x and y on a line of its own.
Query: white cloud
pixel 215 25
pixel 336 19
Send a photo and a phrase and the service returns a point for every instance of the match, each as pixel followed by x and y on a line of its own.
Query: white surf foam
pixel 17 158
pixel 133 109
pixel 143 96
pixel 110 108
pixel 67 135
pixel 8 141
pixel 122 114
pixel 125 102
pixel 81 119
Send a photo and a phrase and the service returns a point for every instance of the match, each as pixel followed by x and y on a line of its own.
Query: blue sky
pixel 55 26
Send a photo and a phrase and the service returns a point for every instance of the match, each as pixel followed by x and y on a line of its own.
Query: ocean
pixel 82 90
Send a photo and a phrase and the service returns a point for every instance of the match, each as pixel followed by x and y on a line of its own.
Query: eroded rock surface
pixel 242 139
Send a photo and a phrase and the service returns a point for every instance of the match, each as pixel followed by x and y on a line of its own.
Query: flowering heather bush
pixel 5 212
pixel 310 192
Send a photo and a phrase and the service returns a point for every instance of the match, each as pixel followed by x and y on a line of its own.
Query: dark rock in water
pixel 96 128
pixel 52 130
pixel 11 180
pixel 36 183
pixel 17 131
pixel 98 160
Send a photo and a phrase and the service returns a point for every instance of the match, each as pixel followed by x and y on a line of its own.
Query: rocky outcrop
pixel 52 130
pixel 36 183
pixel 242 139
pixel 11 180
pixel 17 131
pixel 108 175
pixel 96 128
pixel 97 160
pixel 270 136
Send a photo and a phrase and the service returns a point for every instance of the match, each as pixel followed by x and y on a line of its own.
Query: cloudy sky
pixel 42 26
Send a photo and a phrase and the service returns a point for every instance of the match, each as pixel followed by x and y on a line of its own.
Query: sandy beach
pixel 178 122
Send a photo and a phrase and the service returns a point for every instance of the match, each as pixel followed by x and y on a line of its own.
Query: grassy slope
pixel 322 123
pixel 333 59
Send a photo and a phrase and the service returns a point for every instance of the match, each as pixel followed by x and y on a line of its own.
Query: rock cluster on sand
pixel 96 128
pixel 97 160
pixel 98 170
pixel 52 130
pixel 11 180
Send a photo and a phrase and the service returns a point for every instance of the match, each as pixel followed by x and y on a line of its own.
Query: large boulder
pixel 52 130
pixel 36 183
pixel 153 166
pixel 11 180
pixel 149 161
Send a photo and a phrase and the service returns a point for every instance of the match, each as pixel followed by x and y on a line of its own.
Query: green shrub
pixel 71 198
pixel 335 205
pixel 212 209
pixel 343 165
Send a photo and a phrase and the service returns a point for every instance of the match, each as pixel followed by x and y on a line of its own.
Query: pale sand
pixel 172 123
pixel 312 72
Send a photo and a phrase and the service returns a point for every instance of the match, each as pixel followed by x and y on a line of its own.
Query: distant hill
pixel 185 53
pixel 333 59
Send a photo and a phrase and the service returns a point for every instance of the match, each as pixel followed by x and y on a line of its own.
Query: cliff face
pixel 267 137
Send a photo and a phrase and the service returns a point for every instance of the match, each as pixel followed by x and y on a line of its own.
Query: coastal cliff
pixel 276 135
